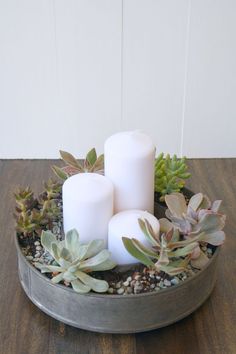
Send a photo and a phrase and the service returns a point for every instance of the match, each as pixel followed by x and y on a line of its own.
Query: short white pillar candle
pixel 129 164
pixel 126 224
pixel 88 205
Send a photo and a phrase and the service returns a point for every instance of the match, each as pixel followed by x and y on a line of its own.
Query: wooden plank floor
pixel 24 329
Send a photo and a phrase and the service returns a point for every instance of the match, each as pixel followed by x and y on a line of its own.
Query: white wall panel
pixel 60 75
pixel 155 34
pixel 88 36
pixel 210 112
pixel 28 92
pixel 73 72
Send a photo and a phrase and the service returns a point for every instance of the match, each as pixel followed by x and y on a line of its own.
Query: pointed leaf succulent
pixel 165 249
pixel 92 163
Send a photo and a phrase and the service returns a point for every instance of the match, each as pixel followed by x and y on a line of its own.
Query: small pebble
pixel 37 255
pixel 56 230
pixel 110 290
pixel 157 288
pixel 137 277
pixel 161 284
pixel 120 291
pixel 138 288
pixel 152 286
pixel 126 283
pixel 37 243
pixel 30 258
pixel 167 282
pixel 38 248
pixel 129 279
pixel 118 285
pixel 129 290
pixel 174 281
pixel 158 277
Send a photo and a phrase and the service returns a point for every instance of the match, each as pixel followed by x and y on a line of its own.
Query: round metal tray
pixel 117 313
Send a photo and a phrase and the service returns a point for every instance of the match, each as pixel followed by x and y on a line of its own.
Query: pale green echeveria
pixel 74 260
pixel 167 252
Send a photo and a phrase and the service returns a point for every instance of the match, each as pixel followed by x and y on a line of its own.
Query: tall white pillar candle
pixel 126 224
pixel 87 205
pixel 129 164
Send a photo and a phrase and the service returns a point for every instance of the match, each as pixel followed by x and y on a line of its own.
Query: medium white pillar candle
pixel 126 224
pixel 129 164
pixel 87 205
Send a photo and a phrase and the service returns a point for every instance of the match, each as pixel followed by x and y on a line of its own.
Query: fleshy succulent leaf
pixel 70 159
pixel 148 232
pixel 136 253
pixel 100 286
pixel 211 222
pixel 195 201
pixel 95 261
pixel 47 239
pixel 148 252
pixel 79 287
pixel 201 261
pixel 216 205
pixel 184 251
pixel 48 268
pixel 214 238
pixel 92 249
pixel 72 240
pixel 57 278
pixel 176 204
pixel 91 157
pixel 165 225
pixel 59 172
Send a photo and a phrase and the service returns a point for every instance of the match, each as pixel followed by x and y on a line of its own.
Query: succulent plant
pixel 74 260
pixel 25 224
pixel 168 253
pixel 25 200
pixel 170 174
pixel 92 163
pixel 34 215
pixel 50 202
pixel 25 203
pixel 200 221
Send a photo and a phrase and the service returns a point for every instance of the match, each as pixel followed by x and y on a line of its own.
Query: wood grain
pixel 24 329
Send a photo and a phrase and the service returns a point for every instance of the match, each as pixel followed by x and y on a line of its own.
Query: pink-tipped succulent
pixel 92 163
pixel 200 221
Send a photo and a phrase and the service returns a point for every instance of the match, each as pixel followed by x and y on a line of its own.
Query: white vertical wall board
pixel 60 76
pixel 74 72
pixel 154 55
pixel 88 36
pixel 28 115
pixel 210 113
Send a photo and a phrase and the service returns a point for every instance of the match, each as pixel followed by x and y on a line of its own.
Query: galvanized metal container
pixel 117 313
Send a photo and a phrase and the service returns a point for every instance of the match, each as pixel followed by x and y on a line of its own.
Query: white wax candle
pixel 129 164
pixel 126 224
pixel 88 205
